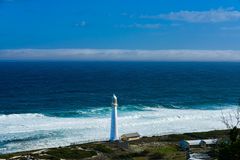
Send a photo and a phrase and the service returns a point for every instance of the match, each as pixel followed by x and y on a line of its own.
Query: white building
pixel 186 144
pixel 130 136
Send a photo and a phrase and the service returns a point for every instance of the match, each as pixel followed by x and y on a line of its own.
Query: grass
pixel 168 152
pixel 102 148
pixel 10 155
pixel 7 156
pixel 55 154
pixel 139 158
pixel 146 148
pixel 69 153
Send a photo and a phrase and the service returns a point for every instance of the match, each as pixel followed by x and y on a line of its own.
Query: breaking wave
pixel 32 131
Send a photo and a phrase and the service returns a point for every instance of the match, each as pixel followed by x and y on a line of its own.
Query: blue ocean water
pixel 46 104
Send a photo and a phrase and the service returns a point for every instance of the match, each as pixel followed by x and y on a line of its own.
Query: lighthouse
pixel 114 125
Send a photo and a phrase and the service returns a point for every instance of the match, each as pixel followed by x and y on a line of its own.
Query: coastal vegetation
pixel 146 148
pixel 229 148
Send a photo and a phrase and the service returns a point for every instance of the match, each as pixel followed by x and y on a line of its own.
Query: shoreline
pixel 107 139
pixel 103 148
pixel 65 131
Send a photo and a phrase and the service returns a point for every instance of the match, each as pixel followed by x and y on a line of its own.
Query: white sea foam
pixel 31 131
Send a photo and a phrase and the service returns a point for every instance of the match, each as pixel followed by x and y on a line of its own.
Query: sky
pixel 110 25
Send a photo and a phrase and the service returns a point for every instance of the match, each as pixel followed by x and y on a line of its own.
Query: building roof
pixel 130 135
pixel 197 142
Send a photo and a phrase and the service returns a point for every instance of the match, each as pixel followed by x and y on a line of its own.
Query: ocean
pixel 50 104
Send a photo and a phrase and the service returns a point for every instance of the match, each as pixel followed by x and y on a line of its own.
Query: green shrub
pixel 68 153
pixel 123 157
pixel 156 155
pixel 103 148
pixel 230 150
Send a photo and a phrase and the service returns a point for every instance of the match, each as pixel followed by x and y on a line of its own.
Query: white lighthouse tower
pixel 114 125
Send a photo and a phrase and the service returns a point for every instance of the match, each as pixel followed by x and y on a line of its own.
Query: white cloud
pixel 142 26
pixel 81 24
pixel 233 28
pixel 128 15
pixel 210 16
pixel 120 55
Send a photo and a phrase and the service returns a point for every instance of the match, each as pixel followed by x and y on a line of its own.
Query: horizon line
pixel 87 54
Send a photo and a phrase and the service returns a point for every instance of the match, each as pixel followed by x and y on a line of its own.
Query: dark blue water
pixel 51 104
pixel 62 88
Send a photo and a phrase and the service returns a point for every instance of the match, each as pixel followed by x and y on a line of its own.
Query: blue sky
pixel 164 30
pixel 120 24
